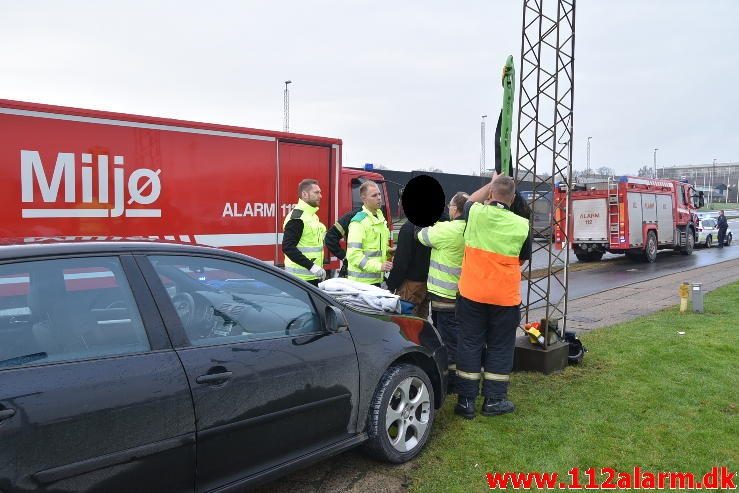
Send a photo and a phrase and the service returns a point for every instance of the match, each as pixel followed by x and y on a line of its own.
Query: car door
pixel 92 396
pixel 270 383
pixel 710 229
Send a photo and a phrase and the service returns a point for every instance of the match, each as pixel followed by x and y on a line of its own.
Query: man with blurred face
pixel 368 239
pixel 302 242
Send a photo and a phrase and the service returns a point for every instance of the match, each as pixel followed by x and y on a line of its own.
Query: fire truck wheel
pixel 650 250
pixel 708 241
pixel 690 243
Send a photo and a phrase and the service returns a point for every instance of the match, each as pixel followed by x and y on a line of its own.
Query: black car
pixel 166 367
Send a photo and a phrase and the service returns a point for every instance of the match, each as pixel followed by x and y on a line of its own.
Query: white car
pixel 708 232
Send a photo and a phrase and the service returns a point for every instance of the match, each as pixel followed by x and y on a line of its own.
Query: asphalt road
pixel 616 270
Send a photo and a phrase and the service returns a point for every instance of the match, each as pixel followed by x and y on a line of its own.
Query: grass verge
pixel 645 396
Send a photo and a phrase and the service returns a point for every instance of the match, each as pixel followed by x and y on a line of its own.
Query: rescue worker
pixel 302 242
pixel 446 240
pixel 335 234
pixel 722 224
pixel 368 239
pixel 488 309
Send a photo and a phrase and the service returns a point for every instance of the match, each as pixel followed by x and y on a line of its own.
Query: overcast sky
pixel 402 83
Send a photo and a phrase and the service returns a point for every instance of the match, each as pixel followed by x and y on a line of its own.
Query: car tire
pixel 650 249
pixel 728 239
pixel 401 414
pixel 708 241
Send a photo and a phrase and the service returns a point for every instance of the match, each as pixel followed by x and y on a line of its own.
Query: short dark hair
pixel 305 185
pixel 364 186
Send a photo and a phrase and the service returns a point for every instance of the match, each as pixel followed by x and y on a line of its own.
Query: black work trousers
pixel 482 324
pixel 448 325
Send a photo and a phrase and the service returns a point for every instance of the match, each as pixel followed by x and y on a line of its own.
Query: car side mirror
pixel 335 319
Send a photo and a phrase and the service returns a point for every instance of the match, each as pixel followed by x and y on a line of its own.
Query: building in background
pixel 719 182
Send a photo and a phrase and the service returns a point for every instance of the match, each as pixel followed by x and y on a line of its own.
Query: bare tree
pixel 644 171
pixel 605 171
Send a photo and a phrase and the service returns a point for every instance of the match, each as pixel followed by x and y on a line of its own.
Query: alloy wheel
pixel 407 414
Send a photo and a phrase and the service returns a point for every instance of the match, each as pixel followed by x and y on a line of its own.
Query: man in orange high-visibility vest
pixel 488 309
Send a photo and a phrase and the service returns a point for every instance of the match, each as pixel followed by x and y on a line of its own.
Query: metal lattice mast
pixel 545 127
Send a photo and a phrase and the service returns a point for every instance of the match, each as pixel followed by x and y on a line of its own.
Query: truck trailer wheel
pixel 650 249
pixel 690 243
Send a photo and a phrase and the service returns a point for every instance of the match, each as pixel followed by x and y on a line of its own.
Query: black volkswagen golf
pixel 163 367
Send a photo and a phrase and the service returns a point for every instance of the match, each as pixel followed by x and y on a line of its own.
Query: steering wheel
pixel 184 304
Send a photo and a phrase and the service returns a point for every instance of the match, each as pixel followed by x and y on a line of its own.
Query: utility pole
pixel 655 162
pixel 587 165
pixel 286 106
pixel 713 177
pixel 483 169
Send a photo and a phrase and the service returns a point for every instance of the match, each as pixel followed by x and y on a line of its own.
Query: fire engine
pixel 69 173
pixel 630 215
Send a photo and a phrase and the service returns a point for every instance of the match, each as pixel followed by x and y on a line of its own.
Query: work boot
pixel 493 407
pixel 465 407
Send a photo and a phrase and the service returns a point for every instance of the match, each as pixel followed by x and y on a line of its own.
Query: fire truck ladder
pixel 614 223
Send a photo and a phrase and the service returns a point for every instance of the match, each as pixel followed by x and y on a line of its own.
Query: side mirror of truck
pixel 701 201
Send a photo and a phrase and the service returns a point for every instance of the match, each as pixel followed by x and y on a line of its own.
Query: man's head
pixel 721 212
pixel 310 192
pixel 369 192
pixel 503 189
pixel 456 205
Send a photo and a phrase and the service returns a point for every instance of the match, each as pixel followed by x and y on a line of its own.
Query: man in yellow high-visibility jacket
pixel 368 240
pixel 446 239
pixel 302 241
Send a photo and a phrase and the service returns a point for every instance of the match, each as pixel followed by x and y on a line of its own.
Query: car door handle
pixel 214 377
pixel 6 413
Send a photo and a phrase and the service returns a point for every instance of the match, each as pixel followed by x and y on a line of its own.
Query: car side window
pixel 220 301
pixel 67 309
pixel 709 223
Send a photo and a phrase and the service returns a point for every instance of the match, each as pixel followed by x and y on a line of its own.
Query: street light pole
pixel 713 177
pixel 286 106
pixel 483 169
pixel 587 166
pixel 655 162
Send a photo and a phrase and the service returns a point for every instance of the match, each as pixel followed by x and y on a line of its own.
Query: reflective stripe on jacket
pixel 311 241
pixel 367 244
pixel 491 271
pixel 446 240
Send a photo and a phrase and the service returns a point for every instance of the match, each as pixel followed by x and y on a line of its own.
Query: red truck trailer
pixel 75 173
pixel 631 215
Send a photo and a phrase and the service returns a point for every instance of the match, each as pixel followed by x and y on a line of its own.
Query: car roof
pixel 17 251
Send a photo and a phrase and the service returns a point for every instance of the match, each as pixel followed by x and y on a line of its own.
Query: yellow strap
pixel 468 376
pixel 497 377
